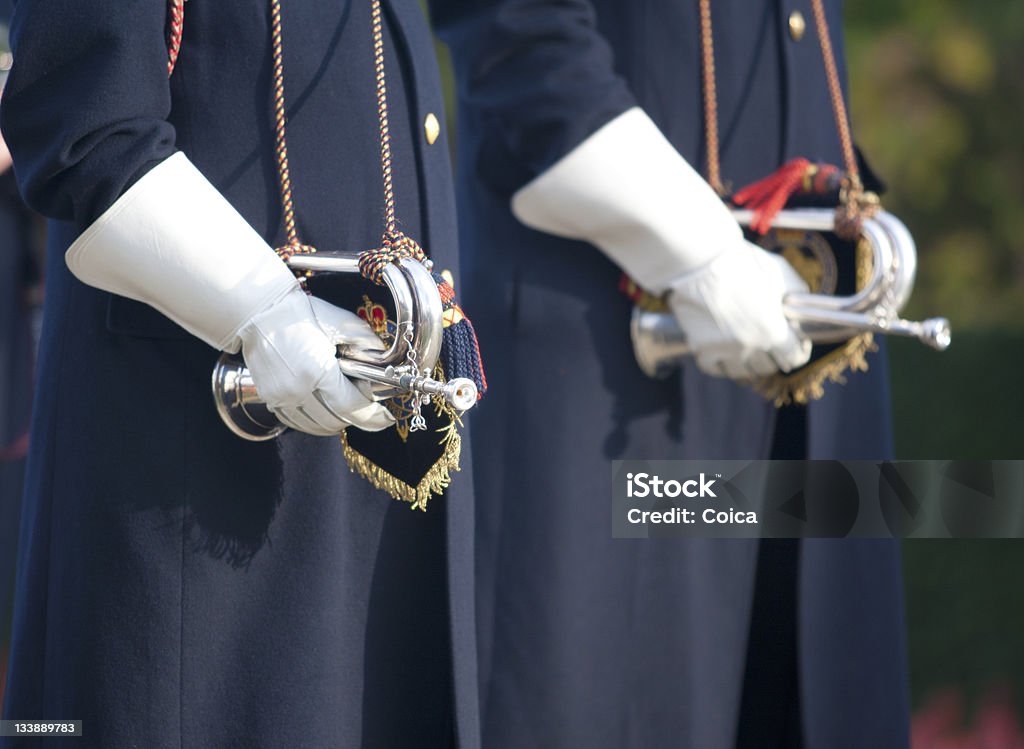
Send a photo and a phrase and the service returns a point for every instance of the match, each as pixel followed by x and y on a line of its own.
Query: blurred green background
pixel 937 100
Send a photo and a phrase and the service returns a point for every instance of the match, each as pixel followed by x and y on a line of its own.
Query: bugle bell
pixel 402 369
pixel 659 344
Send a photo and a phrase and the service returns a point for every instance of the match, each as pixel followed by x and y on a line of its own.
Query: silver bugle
pixel 659 344
pixel 418 310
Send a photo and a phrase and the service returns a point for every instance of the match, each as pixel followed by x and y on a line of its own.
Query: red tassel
pixel 768 196
pixel 630 288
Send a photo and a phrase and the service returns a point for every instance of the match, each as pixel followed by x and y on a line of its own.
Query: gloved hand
pixel 290 351
pixel 731 312
pixel 627 191
pixel 173 242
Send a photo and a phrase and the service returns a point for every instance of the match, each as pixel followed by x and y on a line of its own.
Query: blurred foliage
pixel 936 93
pixel 965 616
pixel 965 606
pixel 937 98
pixel 966 402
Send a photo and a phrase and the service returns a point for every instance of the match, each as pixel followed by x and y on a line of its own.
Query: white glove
pixel 173 242
pixel 731 312
pixel 290 350
pixel 626 190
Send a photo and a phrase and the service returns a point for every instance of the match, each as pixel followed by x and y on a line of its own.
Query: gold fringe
pixel 434 482
pixel 437 478
pixel 808 383
pixel 650 303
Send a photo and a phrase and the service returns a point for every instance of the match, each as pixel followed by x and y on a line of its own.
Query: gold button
pixel 431 128
pixel 797 25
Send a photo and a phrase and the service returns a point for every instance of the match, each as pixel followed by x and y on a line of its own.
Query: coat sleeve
pixel 86 105
pixel 537 73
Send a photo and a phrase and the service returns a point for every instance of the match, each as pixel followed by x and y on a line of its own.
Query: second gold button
pixel 431 128
pixel 797 25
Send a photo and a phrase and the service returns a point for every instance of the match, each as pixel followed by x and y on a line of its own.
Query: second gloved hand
pixel 627 191
pixel 732 313
pixel 290 351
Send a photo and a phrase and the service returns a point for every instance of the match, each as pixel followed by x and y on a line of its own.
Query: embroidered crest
pixel 810 255
pixel 376 316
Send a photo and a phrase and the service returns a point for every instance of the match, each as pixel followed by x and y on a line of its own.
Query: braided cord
pixel 710 98
pixel 835 90
pixel 294 244
pixel 176 9
pixel 395 244
pixel 177 21
pixel 390 223
pixel 280 125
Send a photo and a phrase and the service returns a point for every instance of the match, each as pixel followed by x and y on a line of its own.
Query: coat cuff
pixel 174 242
pixel 627 190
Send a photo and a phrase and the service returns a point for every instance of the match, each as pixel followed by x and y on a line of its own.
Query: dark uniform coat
pixel 17 271
pixel 18 274
pixel 178 586
pixel 17 268
pixel 595 642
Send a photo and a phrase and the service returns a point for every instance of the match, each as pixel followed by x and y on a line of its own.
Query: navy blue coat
pixel 18 273
pixel 177 585
pixel 584 640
